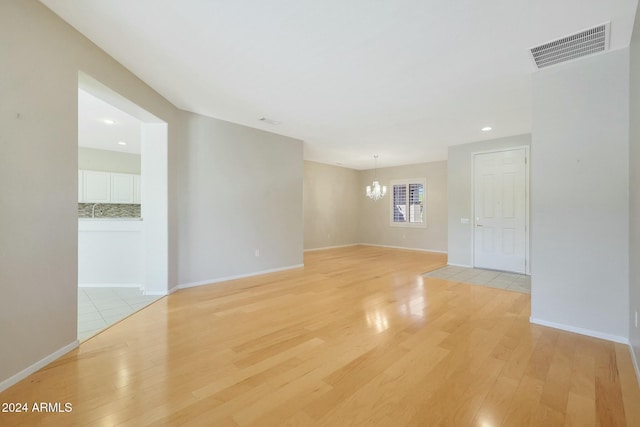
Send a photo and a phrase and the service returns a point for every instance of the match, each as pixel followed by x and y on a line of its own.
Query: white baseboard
pixel 121 285
pixel 155 293
pixel 404 248
pixel 635 363
pixel 331 247
pixel 581 331
pixel 37 366
pixel 225 279
pixel 459 265
pixel 109 285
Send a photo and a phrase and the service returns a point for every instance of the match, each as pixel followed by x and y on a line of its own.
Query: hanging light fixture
pixel 374 191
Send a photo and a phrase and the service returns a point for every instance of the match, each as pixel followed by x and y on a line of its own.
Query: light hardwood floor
pixel 356 337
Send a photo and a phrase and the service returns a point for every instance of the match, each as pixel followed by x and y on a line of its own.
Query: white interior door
pixel 500 210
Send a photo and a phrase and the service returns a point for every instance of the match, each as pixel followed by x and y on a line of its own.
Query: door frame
pixel 154 188
pixel 527 227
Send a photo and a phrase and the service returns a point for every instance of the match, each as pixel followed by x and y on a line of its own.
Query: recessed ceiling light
pixel 486 129
pixel 109 121
pixel 122 143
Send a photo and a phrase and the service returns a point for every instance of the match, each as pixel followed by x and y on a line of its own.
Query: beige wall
pixel 331 202
pixel 242 193
pixel 374 216
pixel 41 57
pixel 580 195
pixel 460 193
pixel 634 192
pixel 108 161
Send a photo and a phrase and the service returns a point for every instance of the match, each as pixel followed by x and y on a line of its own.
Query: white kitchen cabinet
pixel 122 189
pixel 136 189
pixel 108 187
pixel 96 187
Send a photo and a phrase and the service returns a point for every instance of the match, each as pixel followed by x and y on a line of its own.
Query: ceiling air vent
pixel 571 47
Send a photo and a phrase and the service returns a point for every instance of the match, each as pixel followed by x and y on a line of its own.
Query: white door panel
pixel 500 203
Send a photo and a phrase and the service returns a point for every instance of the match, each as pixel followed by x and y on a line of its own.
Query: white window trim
pixel 422 181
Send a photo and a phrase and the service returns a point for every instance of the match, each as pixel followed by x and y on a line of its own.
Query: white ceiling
pixel 94 132
pixel 352 78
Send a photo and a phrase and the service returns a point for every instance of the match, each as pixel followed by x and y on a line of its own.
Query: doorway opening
pixel 122 207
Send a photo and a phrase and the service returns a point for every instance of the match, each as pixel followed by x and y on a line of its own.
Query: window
pixel 408 207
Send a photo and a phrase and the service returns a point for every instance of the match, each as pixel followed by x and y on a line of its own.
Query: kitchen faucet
pixel 93 210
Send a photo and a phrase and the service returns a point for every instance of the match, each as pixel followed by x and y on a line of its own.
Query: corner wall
pixel 374 222
pixel 331 201
pixel 241 192
pixel 579 188
pixel 459 189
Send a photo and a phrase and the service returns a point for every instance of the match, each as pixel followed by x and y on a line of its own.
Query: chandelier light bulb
pixel 376 191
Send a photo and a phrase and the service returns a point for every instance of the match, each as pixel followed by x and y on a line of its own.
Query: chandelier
pixel 375 191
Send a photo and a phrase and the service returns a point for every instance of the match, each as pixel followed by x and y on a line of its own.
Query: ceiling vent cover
pixel 571 47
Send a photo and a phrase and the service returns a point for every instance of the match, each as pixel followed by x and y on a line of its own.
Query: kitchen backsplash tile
pixel 108 210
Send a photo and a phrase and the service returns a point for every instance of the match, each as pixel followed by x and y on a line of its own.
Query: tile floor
pixel 102 307
pixel 477 276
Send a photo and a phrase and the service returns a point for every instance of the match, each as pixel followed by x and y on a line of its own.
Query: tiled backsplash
pixel 108 210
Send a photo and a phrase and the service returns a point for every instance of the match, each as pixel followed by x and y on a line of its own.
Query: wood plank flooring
pixel 355 338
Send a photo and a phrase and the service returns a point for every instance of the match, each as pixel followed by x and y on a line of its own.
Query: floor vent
pixel 584 43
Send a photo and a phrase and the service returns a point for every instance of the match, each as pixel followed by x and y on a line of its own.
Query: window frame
pixel 406 183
